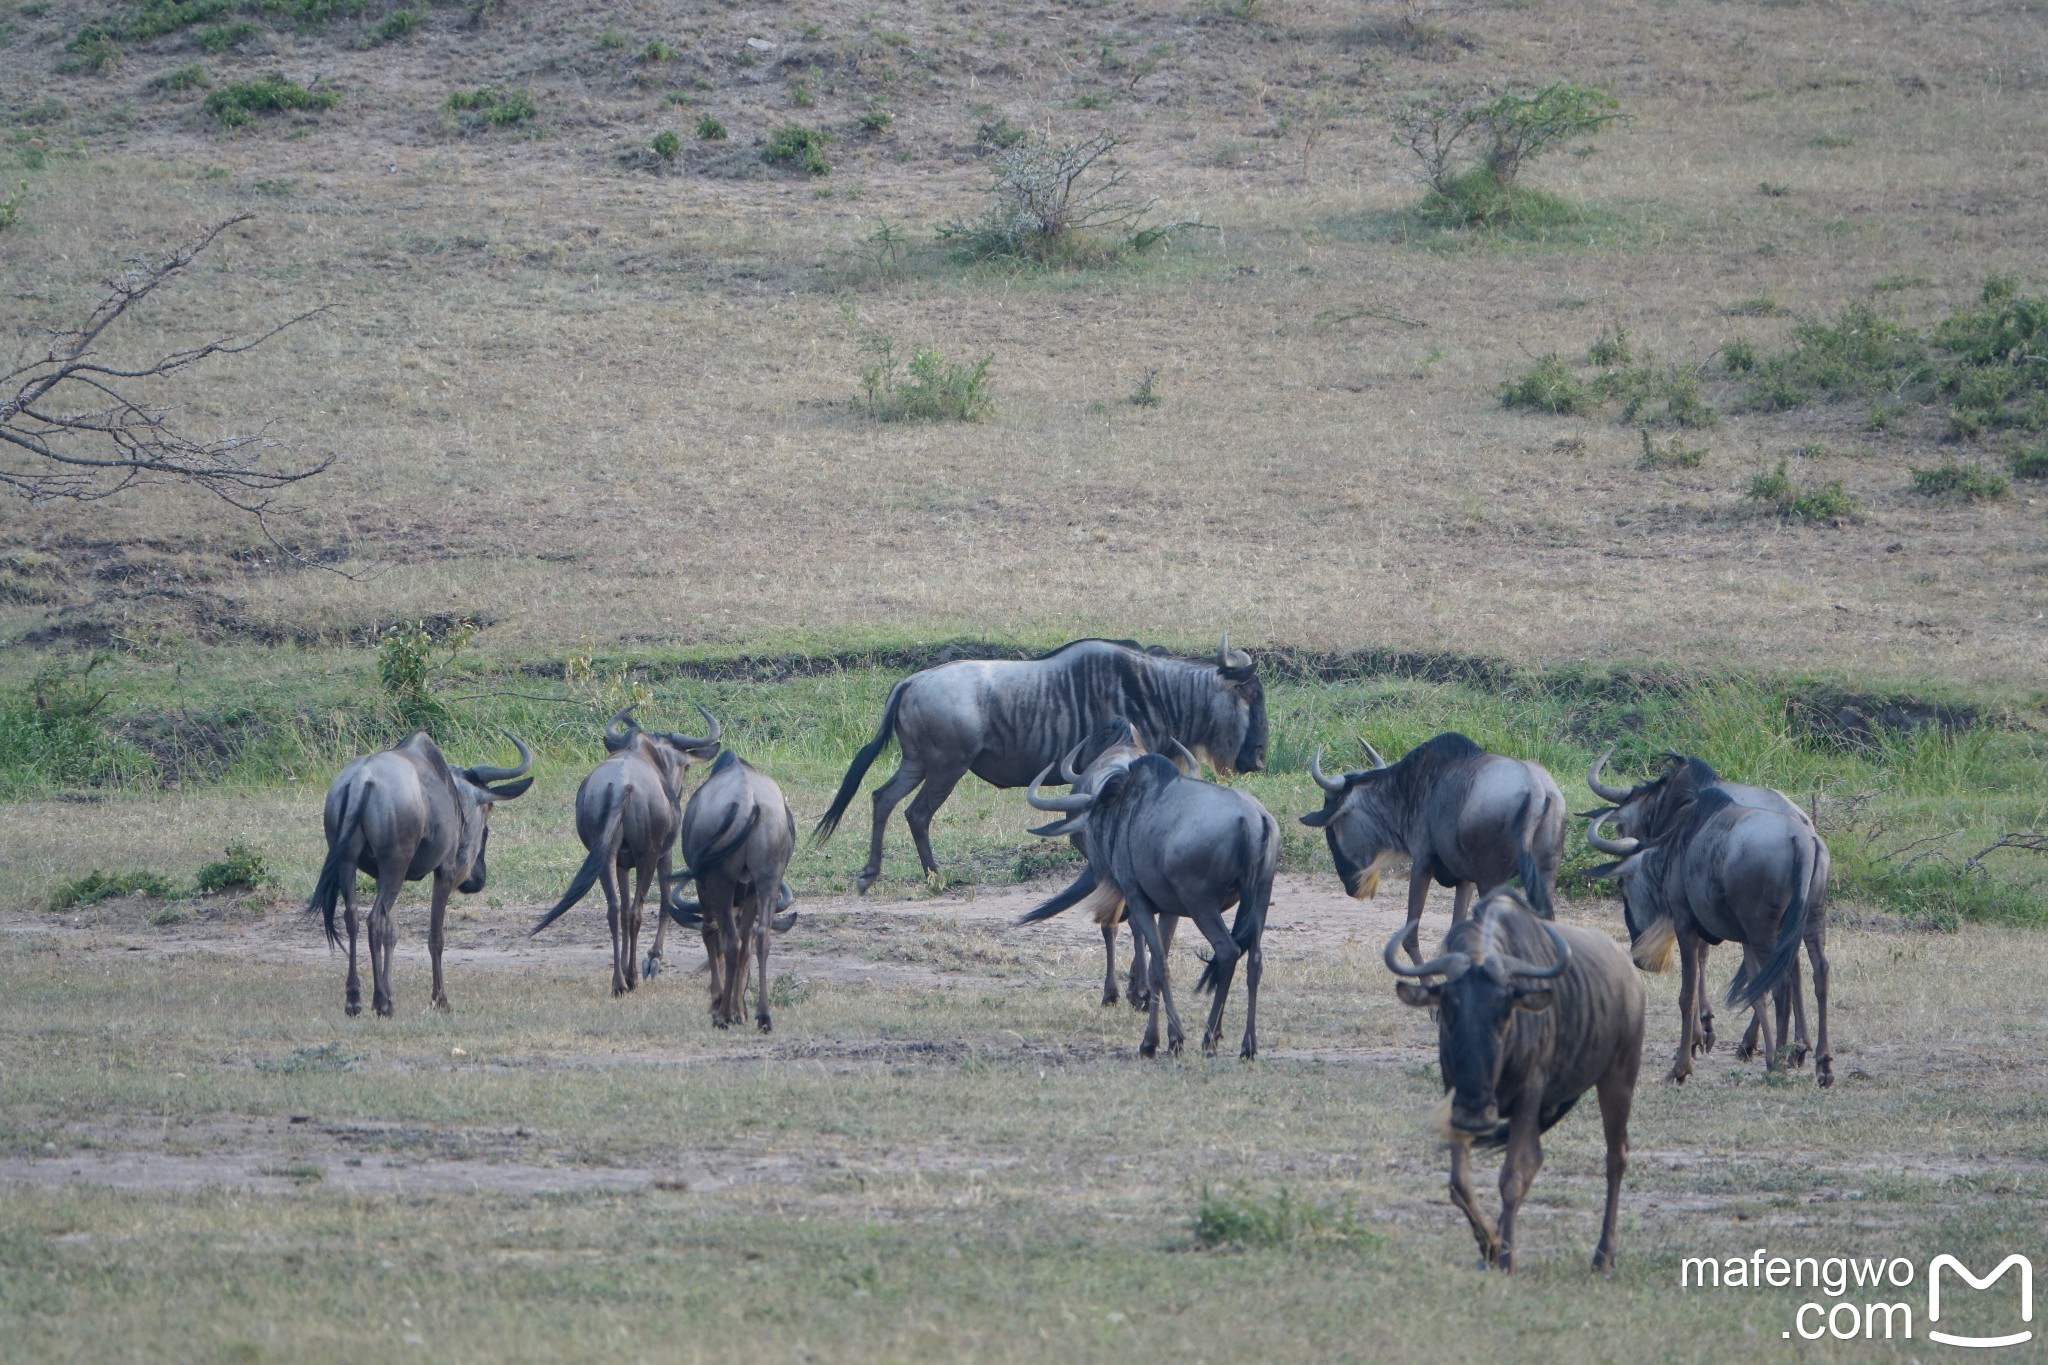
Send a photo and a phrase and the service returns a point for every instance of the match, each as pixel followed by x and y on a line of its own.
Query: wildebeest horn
pixel 1603 790
pixel 691 742
pixel 1332 785
pixel 485 773
pixel 1620 848
pixel 1182 759
pixel 615 734
pixel 1069 774
pixel 1564 957
pixel 1231 660
pixel 1443 964
pixel 1371 753
pixel 1076 801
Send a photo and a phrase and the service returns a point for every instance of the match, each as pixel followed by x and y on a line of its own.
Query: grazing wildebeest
pixel 399 815
pixel 1463 816
pixel 1111 748
pixel 738 835
pixel 1004 720
pixel 627 811
pixel 1651 810
pixel 1729 873
pixel 1529 1016
pixel 1176 846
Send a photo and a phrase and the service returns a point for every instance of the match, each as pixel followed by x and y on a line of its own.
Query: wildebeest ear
pixel 1059 827
pixel 1534 998
pixel 505 791
pixel 1316 819
pixel 1603 871
pixel 1416 994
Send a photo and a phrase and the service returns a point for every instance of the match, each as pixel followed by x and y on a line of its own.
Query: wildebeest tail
pixel 1533 888
pixel 342 855
pixel 1747 990
pixel 1066 898
pixel 610 833
pixel 1254 895
pixel 858 769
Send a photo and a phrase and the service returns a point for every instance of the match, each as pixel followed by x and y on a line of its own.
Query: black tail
pixel 342 856
pixel 850 785
pixel 1534 889
pixel 1747 990
pixel 1069 896
pixel 1254 895
pixel 606 846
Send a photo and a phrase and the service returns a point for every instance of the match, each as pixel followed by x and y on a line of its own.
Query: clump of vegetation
pixel 874 119
pixel 1550 386
pixel 242 869
pixel 408 656
pixel 1860 352
pixel 1673 454
pixel 241 102
pixel 1738 356
pixel 1146 395
pixel 1960 482
pixel 400 23
pixel 928 389
pixel 1756 306
pixel 51 736
pixel 666 144
pixel 656 51
pixel 1239 1219
pixel 218 38
pixel 800 147
pixel 489 107
pixel 91 49
pixel 999 135
pixel 1776 491
pixel 154 18
pixel 609 39
pixel 10 207
pixel 1473 149
pixel 191 76
pixel 709 129
pixel 2031 464
pixel 1058 203
pixel 96 886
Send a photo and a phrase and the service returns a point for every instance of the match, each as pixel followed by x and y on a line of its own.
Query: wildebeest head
pixel 1636 873
pixel 1359 821
pixel 1241 709
pixel 477 789
pixel 1651 809
pixel 621 728
pixel 1475 986
pixel 1117 746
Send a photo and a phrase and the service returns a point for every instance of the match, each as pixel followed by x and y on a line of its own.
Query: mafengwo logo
pixel 1871 1298
pixel 2012 1262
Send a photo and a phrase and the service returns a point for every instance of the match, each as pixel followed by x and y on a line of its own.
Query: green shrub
pixel 1548 386
pixel 191 76
pixel 609 39
pixel 93 48
pixel 309 16
pixel 406 664
pixel 1673 454
pixel 666 144
pixel 1610 352
pixel 1776 491
pixel 1058 203
pixel 1000 135
pixel 10 207
pixel 2031 464
pixel 242 868
pixel 1961 482
pixel 1858 353
pixel 656 51
pixel 927 390
pixel 220 37
pixel 1240 1219
pixel 1738 356
pixel 399 24
pixel 158 17
pixel 798 146
pixel 1756 306
pixel 488 107
pixel 874 119
pixel 1479 187
pixel 709 129
pixel 240 102
pixel 96 886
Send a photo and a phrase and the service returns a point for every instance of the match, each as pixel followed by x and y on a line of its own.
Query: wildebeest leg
pixel 1109 995
pixel 899 785
pixel 1224 954
pixel 1518 1171
pixel 1418 894
pixel 614 916
pixel 354 1004
pixel 1141 973
pixel 1254 960
pixel 1617 1096
pixel 714 952
pixel 641 876
pixel 1753 960
pixel 382 932
pixel 665 871
pixel 1162 984
pixel 1688 1004
pixel 1791 1003
pixel 937 787
pixel 1461 1195
pixel 764 914
pixel 1461 901
pixel 1146 930
pixel 1703 1036
pixel 1823 1058
pixel 436 934
pixel 715 895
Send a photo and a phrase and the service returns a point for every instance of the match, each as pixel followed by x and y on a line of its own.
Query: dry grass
pixel 581 401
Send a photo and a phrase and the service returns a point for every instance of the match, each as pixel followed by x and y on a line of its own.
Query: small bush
pixel 92 49
pixel 489 107
pixel 1756 306
pixel 1504 133
pixel 1610 352
pixel 398 24
pixel 666 144
pixel 1776 491
pixel 96 886
pixel 1673 454
pixel 709 129
pixel 1241 1219
pixel 406 664
pixel 609 39
pixel 656 51
pixel 155 18
pixel 999 135
pixel 243 868
pixel 1860 352
pixel 875 119
pixel 1061 203
pixel 1548 386
pixel 1738 356
pixel 800 147
pixel 2031 464
pixel 927 390
pixel 10 207
pixel 1961 482
pixel 1146 395
pixel 240 102
pixel 220 37
pixel 191 76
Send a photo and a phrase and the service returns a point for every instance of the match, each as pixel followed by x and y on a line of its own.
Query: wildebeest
pixel 1004 720
pixel 627 811
pixel 398 815
pixel 737 838
pixel 1649 811
pixel 1529 1016
pixel 1729 873
pixel 1111 748
pixel 1176 846
pixel 1463 816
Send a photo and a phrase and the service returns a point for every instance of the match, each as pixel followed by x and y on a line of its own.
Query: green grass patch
pixel 1958 481
pixel 489 107
pixel 1550 386
pixel 96 886
pixel 798 147
pixel 1237 1218
pixel 243 102
pixel 1776 491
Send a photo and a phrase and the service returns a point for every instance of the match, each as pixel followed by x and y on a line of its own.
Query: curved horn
pixel 1077 801
pixel 1230 660
pixel 691 742
pixel 484 773
pixel 1187 763
pixel 1223 652
pixel 615 736
pixel 1069 774
pixel 1333 785
pixel 1443 964
pixel 1371 753
pixel 1564 957
pixel 1619 848
pixel 1606 791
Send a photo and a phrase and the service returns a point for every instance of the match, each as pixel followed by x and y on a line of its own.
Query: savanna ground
pixel 597 402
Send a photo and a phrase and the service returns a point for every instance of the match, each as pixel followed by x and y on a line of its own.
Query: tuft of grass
pixel 609 39
pixel 191 76
pixel 656 51
pixel 1738 356
pixel 92 49
pixel 1550 386
pixel 1960 482
pixel 1756 306
pixel 928 389
pixel 800 147
pixel 2031 463
pixel 666 144
pixel 874 119
pixel 1240 1219
pixel 1673 454
pixel 218 38
pixel 709 129
pixel 242 102
pixel 96 886
pixel 241 868
pixel 489 107
pixel 1776 491
pixel 1479 199
pixel 400 23
pixel 1146 395
pixel 10 207
pixel 155 18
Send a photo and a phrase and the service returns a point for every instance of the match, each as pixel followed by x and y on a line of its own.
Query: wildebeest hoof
pixel 1677 1077
pixel 651 968
pixel 719 1021
pixel 353 1008
pixel 864 881
pixel 441 1004
pixel 1824 1071
pixel 767 1024
pixel 1246 1054
pixel 1148 1049
pixel 384 1009
pixel 1603 1262
pixel 1796 1058
pixel 1109 997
